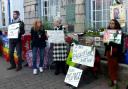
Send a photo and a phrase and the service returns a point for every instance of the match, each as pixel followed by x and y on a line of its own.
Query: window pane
pixel 106 4
pixel 45 3
pixel 94 17
pixel 105 24
pixel 98 15
pixel 98 25
pixel 94 5
pixel 106 14
pixel 94 24
pixel 98 4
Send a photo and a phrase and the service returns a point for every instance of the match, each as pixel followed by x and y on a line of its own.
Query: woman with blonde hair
pixel 38 38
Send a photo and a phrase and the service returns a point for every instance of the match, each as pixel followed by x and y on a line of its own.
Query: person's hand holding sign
pixel 39 36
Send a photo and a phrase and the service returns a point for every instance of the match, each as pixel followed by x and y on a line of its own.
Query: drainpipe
pixel 1 14
pixel 9 12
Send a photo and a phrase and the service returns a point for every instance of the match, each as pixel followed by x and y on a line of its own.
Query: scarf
pixel 15 20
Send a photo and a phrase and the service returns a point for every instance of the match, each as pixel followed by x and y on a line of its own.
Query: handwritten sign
pixel 73 76
pixel 113 36
pixel 13 30
pixel 56 36
pixel 84 55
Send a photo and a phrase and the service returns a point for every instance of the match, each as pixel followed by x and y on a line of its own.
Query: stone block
pixel 79 1
pixel 80 9
pixel 80 18
pixel 79 27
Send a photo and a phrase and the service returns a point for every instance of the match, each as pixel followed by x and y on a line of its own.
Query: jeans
pixel 18 46
pixel 34 53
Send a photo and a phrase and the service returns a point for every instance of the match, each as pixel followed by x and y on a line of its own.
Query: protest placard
pixel 55 36
pixel 112 36
pixel 73 76
pixel 84 55
pixel 13 30
pixel 118 12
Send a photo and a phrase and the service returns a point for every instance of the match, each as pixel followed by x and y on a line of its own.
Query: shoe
pixel 64 73
pixel 115 86
pixel 26 65
pixel 127 87
pixel 12 67
pixel 67 84
pixel 110 83
pixel 57 73
pixel 35 71
pixel 18 69
pixel 72 87
pixel 41 69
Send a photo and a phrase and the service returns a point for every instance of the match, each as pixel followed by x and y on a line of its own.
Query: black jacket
pixel 36 40
pixel 22 31
pixel 119 47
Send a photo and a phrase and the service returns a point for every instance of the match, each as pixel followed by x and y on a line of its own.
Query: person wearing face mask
pixel 113 52
pixel 16 43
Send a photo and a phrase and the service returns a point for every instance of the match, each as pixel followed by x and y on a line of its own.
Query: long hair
pixel 117 24
pixel 36 28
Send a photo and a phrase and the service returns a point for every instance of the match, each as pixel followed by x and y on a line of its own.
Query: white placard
pixel 13 30
pixel 73 76
pixel 84 55
pixel 118 12
pixel 56 36
pixel 113 36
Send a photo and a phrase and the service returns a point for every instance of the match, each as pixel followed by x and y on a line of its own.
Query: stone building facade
pixel 73 13
pixel 46 10
pixel 30 13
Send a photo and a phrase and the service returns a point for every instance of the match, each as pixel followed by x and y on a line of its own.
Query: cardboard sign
pixel 13 30
pixel 84 55
pixel 55 36
pixel 118 12
pixel 113 36
pixel 73 76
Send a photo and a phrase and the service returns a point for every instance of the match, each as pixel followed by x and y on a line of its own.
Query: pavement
pixel 24 79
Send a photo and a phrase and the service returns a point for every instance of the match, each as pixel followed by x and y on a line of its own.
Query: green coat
pixel 69 60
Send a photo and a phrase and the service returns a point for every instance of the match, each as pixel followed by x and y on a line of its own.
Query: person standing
pixel 16 43
pixel 38 38
pixel 59 50
pixel 113 52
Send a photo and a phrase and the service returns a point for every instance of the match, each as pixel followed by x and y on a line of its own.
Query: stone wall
pixel 30 13
pixel 79 16
pixel 79 23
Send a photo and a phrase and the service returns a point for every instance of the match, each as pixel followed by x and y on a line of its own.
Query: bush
pixel 47 25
